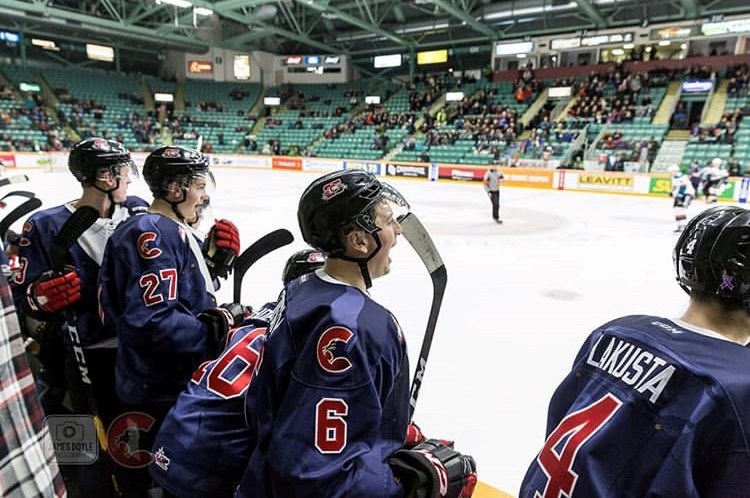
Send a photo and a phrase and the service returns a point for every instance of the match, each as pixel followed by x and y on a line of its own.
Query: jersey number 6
pixel 330 425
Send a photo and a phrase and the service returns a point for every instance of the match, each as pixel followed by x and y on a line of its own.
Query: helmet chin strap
pixel 362 262
pixel 174 205
pixel 111 197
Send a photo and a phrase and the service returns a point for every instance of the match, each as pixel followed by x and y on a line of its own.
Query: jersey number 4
pixel 562 445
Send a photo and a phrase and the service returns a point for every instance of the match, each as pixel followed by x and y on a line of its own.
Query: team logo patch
pixel 316 257
pixel 328 344
pixel 142 245
pixel 124 436
pixel 100 144
pixel 727 282
pixel 171 153
pixel 161 459
pixel 332 189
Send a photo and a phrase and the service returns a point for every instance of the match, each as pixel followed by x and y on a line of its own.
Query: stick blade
pixel 264 245
pixel 80 221
pixel 416 234
pixel 13 179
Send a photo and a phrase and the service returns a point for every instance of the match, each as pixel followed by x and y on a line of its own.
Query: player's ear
pixel 356 241
pixel 173 190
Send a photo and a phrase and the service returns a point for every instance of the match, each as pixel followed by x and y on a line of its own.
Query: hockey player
pixel 203 444
pixel 104 169
pixel 657 406
pixel 714 180
pixel 683 194
pixel 329 407
pixel 157 294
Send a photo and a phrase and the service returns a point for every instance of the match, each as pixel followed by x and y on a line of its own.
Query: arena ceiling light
pixel 184 4
pixel 202 11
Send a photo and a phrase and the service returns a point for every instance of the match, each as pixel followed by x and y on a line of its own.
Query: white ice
pixel 521 296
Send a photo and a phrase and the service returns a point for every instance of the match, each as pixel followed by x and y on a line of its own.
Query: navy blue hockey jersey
pixel 652 407
pixel 40 230
pixel 330 402
pixel 203 445
pixel 153 283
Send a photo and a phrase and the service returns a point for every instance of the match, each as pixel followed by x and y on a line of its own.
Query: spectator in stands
pixel 653 149
pixel 733 167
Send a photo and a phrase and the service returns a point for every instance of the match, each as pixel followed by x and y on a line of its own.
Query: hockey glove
pixel 221 319
pixel 222 248
pixel 434 470
pixel 414 436
pixel 54 291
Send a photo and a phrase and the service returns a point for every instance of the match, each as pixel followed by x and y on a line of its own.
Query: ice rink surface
pixel 521 296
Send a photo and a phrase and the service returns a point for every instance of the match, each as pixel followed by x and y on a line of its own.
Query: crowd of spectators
pixel 616 96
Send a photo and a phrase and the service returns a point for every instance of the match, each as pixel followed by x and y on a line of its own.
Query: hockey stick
pixel 30 204
pixel 268 243
pixel 13 179
pixel 420 240
pixel 80 221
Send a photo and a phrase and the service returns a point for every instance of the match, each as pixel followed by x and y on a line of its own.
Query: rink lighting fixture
pixel 355 37
pixel 417 29
pixel 526 11
pixel 629 46
pixel 665 43
pixel 202 11
pixel 184 4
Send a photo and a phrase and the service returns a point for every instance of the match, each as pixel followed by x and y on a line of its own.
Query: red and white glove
pixel 226 236
pixel 54 291
pixel 414 436
pixel 434 469
pixel 222 248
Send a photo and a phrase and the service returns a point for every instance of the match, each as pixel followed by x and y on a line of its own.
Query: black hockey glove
pixel 434 470
pixel 221 319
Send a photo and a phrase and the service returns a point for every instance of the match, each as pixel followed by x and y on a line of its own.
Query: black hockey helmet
pixel 340 200
pixel 712 255
pixel 91 155
pixel 302 262
pixel 173 164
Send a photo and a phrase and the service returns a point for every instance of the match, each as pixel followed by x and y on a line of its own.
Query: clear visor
pixel 396 201
pixel 393 199
pixel 203 211
pixel 204 214
pixel 208 178
pixel 129 171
